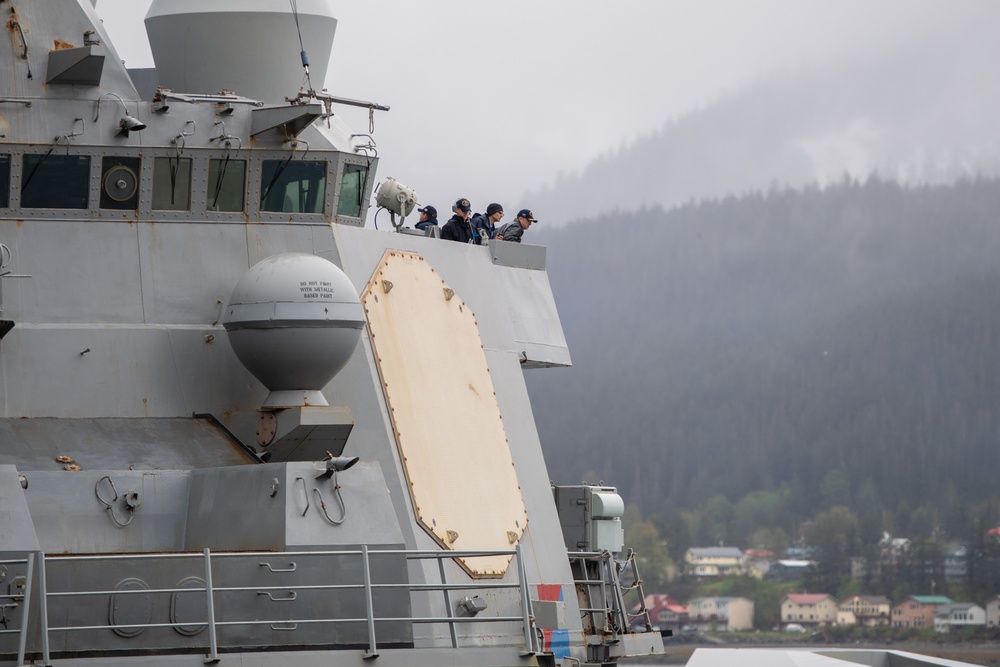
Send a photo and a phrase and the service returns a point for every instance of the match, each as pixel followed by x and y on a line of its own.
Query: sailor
pixel 513 230
pixel 486 225
pixel 428 218
pixel 458 228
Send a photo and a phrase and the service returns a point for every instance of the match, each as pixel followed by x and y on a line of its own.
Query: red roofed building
pixel 665 613
pixel 809 609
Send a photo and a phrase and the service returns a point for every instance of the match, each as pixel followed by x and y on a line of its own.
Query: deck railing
pixel 35 564
pixel 12 600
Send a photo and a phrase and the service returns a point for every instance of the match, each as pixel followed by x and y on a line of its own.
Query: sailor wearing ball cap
pixel 428 217
pixel 514 230
pixel 458 228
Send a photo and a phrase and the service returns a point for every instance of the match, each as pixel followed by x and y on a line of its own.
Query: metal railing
pixel 11 601
pixel 212 623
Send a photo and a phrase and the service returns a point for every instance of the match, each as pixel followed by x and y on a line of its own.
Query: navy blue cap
pixel 429 210
pixel 526 213
pixel 463 205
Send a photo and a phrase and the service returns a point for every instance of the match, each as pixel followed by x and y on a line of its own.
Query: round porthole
pixel 120 183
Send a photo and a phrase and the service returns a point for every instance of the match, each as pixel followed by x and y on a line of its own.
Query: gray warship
pixel 237 426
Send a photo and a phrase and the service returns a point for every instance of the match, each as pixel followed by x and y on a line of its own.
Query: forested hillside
pixel 757 359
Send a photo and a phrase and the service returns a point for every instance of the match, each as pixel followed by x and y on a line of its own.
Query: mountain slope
pixel 773 340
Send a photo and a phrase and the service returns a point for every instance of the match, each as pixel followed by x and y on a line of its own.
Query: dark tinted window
pixel 172 184
pixel 352 190
pixel 292 186
pixel 120 182
pixel 55 181
pixel 226 184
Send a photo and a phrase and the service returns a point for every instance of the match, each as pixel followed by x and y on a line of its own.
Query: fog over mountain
pixel 829 346
pixel 789 294
pixel 925 115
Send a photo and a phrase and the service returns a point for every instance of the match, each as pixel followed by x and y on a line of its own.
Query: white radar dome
pixel 294 320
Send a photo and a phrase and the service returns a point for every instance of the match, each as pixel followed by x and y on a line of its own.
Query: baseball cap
pixel 463 205
pixel 526 213
pixel 494 208
pixel 429 210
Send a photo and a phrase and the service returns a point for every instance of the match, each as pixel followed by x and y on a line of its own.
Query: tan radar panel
pixel 444 411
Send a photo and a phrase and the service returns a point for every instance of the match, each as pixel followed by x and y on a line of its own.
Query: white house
pixel 993 612
pixel 714 561
pixel 958 615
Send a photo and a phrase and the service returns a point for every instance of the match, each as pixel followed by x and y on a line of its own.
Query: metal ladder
pixel 634 583
pixel 602 582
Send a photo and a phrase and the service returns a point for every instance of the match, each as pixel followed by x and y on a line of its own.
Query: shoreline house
pixel 958 615
pixel 865 610
pixel 809 609
pixel 714 561
pixel 917 611
pixel 759 562
pixel 721 613
pixel 665 613
pixel 892 551
pixel 956 563
pixel 993 612
pixel 789 570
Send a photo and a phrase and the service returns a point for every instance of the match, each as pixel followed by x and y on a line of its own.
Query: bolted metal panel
pixel 444 411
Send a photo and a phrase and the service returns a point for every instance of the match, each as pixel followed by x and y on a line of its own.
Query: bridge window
pixel 293 186
pixel 226 184
pixel 4 181
pixel 55 181
pixel 172 184
pixel 352 190
pixel 120 182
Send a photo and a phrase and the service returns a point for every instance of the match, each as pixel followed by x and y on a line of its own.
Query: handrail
pixel 25 599
pixel 289 592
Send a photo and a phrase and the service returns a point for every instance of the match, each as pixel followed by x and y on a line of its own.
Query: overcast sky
pixel 493 99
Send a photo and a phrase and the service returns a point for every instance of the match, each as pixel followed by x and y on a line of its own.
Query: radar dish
pixel 444 410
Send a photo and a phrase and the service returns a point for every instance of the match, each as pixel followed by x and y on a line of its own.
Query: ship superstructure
pixel 237 426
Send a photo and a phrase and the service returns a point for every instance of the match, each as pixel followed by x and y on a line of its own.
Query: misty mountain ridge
pixel 779 338
pixel 924 116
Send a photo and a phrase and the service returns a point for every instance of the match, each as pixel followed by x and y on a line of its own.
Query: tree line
pixel 744 364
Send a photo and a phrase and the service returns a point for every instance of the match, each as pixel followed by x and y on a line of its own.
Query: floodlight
pixel 130 124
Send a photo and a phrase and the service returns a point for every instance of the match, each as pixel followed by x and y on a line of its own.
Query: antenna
pixel 302 46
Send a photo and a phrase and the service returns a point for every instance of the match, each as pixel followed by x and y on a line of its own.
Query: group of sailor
pixel 465 227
